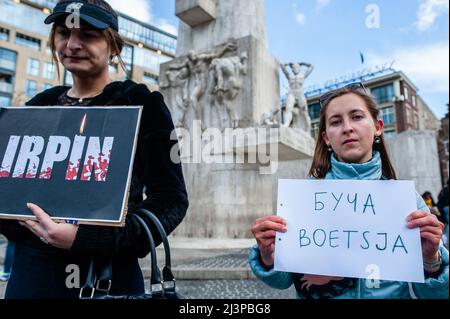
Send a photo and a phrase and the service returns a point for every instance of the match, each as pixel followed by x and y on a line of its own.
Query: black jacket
pixel 153 171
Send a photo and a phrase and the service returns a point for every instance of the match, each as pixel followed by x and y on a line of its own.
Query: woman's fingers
pixel 425 220
pixel 432 238
pixel 41 216
pixel 269 225
pixel 34 227
pixel 431 229
pixel 273 218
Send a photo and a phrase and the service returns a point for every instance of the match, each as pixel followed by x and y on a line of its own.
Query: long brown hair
pixel 321 163
pixel 113 38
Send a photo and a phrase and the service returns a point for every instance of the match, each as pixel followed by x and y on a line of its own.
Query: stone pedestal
pixel 233 19
pixel 225 76
pixel 195 12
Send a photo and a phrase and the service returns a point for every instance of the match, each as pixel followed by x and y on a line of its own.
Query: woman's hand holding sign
pixel 59 235
pixel 430 233
pixel 264 230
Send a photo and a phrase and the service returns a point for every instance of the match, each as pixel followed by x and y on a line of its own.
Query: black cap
pixel 90 13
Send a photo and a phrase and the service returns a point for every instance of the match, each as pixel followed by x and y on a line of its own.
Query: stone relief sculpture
pixel 226 80
pixel 296 108
pixel 270 119
pixel 197 66
pixel 178 81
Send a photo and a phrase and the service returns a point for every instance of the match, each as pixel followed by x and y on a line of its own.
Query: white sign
pixel 348 228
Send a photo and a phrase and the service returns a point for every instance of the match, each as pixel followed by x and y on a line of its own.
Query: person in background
pixel 443 208
pixel 429 200
pixel 7 264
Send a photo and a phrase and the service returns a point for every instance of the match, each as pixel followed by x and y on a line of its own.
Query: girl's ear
pixel 325 138
pixel 379 127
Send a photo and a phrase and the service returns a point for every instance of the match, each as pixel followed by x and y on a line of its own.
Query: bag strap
pixel 156 284
pixel 100 286
pixel 89 283
pixel 168 277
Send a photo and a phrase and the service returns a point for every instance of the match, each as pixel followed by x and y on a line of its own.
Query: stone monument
pixel 223 93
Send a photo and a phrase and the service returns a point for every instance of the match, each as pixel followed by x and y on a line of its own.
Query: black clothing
pixel 153 170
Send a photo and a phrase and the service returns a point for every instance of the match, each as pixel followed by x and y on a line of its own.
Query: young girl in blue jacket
pixel 351 146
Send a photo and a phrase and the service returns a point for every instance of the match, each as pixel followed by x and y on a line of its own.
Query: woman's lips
pixel 349 141
pixel 75 58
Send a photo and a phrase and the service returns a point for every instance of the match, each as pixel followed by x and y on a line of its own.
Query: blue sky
pixel 331 34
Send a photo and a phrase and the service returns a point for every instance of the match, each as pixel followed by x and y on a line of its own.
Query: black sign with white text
pixel 73 162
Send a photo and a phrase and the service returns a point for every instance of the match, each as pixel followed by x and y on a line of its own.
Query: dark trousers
pixel 47 275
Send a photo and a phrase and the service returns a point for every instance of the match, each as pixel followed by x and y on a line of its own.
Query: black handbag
pixel 99 278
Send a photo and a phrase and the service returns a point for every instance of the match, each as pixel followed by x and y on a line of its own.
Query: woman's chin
pixel 354 157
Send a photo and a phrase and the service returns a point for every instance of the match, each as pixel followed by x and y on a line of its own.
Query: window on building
pixel 4 34
pixel 314 111
pixel 113 68
pixel 46 86
pixel 6 85
pixel 383 94
pixel 387 115
pixel 127 57
pixel 406 93
pixel 68 80
pixel 147 35
pixel 27 41
pixel 49 71
pixel 409 117
pixel 446 147
pixel 414 101
pixel 45 3
pixel 315 129
pixel 150 78
pixel 389 134
pixel 33 67
pixel 5 100
pixel 8 59
pixel 30 88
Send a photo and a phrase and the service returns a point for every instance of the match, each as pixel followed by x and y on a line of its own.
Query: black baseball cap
pixel 92 14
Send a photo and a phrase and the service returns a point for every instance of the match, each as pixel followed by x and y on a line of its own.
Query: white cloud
pixel 300 18
pixel 166 26
pixel 322 3
pixel 429 11
pixel 138 9
pixel 427 66
pixel 142 11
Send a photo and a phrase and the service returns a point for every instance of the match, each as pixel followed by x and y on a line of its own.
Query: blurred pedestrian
pixel 7 264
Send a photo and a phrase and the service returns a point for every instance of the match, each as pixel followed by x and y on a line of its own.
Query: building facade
pixel 26 66
pixel 443 148
pixel 401 108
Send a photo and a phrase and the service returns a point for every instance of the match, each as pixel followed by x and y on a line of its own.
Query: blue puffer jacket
pixel 431 288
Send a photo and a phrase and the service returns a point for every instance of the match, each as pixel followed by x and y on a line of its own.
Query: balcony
pixel 6 87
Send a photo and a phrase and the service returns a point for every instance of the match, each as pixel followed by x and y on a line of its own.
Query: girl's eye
pixel 62 32
pixel 90 34
pixel 357 117
pixel 334 123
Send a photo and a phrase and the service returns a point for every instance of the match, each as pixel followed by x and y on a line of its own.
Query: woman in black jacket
pixel 44 248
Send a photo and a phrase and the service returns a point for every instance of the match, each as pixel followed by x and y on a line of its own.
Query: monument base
pixel 227 197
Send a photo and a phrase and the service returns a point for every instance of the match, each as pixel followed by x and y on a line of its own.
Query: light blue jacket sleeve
pixel 275 279
pixel 433 288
